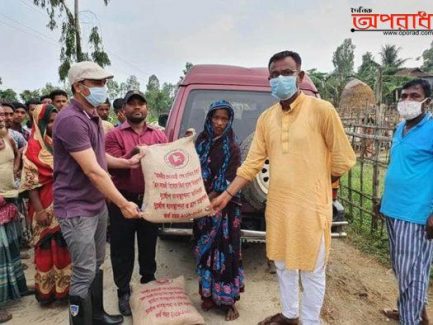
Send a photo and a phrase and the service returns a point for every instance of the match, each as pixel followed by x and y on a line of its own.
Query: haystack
pixel 356 96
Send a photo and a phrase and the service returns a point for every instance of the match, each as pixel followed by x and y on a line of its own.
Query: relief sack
pixel 163 303
pixel 174 189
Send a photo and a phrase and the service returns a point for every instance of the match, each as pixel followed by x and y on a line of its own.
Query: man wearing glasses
pixel 305 142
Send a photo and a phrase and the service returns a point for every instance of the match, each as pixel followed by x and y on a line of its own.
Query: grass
pixel 376 245
pixel 365 231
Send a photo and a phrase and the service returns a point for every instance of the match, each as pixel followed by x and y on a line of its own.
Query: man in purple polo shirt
pixel 81 185
pixel 122 142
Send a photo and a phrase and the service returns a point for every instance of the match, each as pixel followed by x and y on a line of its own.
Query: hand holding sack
pixel 174 189
pixel 163 303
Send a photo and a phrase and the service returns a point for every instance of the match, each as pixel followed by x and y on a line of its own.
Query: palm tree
pixel 390 60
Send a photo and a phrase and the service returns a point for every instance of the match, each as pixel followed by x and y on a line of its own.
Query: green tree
pixel 318 78
pixel 132 83
pixel 29 94
pixel 8 94
pixel 153 83
pixel 427 57
pixel 390 84
pixel 343 59
pixel 60 14
pixel 188 66
pixel 47 89
pixel 115 89
pixel 328 85
pixel 390 63
pixel 118 89
pixel 168 91
pixel 367 71
pixel 390 60
pixel 159 99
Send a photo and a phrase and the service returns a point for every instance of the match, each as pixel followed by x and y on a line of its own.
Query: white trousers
pixel 313 285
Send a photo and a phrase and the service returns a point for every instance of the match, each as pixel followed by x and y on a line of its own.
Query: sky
pixel 145 37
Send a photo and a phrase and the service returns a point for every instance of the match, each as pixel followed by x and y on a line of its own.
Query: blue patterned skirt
pixel 217 249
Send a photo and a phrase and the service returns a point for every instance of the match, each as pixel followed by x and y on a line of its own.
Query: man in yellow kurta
pixel 307 148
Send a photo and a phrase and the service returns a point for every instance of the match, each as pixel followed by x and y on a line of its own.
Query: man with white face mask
pixel 81 185
pixel 307 149
pixel 407 202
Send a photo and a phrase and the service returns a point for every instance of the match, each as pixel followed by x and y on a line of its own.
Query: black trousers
pixel 122 232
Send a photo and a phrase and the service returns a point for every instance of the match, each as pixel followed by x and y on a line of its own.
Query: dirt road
pixel 358 287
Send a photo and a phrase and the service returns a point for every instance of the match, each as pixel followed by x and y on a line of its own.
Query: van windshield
pixel 247 106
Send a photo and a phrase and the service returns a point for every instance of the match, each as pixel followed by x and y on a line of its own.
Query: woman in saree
pixel 52 259
pixel 217 238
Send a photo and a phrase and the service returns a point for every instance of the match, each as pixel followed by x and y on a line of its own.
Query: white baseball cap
pixel 87 70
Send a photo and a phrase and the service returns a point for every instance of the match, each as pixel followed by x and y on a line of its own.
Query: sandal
pixel 279 319
pixel 391 313
pixel 231 313
pixel 394 315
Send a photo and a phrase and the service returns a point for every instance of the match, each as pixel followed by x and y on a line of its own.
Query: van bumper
pixel 247 235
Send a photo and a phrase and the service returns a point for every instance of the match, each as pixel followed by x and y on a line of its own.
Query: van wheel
pixel 256 191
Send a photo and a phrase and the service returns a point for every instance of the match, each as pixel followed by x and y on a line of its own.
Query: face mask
pixel 409 109
pixel 97 96
pixel 283 87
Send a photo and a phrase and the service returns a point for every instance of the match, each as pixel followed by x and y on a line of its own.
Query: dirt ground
pixel 358 287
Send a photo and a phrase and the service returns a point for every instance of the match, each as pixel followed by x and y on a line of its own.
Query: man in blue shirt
pixel 407 202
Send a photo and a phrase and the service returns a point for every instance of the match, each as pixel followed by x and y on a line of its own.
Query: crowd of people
pixel 28 217
pixel 66 173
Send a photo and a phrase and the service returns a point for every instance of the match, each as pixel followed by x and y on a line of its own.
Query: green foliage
pixel 115 89
pixel 376 245
pixel 132 83
pixel 70 38
pixel 390 61
pixel 47 89
pixel 98 54
pixel 343 59
pixel 29 94
pixel 360 222
pixel 188 67
pixel 119 89
pixel 390 84
pixel 330 85
pixel 159 99
pixel 367 71
pixel 8 94
pixel 427 56
pixel 327 84
pixel 390 64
